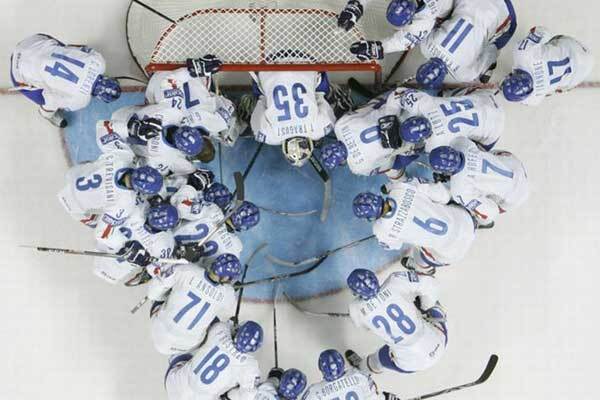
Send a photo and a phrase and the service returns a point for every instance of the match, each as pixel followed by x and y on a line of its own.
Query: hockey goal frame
pixel 264 65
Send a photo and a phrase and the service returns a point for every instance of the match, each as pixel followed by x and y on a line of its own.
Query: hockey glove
pixel 389 132
pixel 135 253
pixel 350 15
pixel 201 179
pixel 440 178
pixel 276 374
pixel 203 66
pixel 366 50
pixel 144 129
pixel 156 201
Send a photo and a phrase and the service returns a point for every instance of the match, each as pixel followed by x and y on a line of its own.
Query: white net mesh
pixel 242 32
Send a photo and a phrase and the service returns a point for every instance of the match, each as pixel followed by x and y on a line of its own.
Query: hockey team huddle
pixel 173 227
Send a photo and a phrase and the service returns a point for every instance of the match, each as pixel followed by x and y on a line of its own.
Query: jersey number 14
pixel 61 70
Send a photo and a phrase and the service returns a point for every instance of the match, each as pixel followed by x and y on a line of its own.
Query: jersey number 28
pixel 397 316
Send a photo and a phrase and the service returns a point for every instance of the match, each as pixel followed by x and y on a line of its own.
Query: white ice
pixel 527 290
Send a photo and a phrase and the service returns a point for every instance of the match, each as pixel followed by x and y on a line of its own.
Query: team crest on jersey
pixel 111 137
pixel 172 89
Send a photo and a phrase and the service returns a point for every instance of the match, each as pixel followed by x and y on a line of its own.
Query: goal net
pixel 249 35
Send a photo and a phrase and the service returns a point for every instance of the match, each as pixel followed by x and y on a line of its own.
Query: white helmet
pixel 297 150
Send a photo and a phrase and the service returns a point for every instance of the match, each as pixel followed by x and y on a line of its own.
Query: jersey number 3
pixel 83 183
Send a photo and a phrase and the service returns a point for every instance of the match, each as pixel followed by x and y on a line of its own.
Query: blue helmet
pixel 163 217
pixel 431 75
pixel 401 12
pixel 368 205
pixel 106 89
pixel 226 267
pixel 446 160
pixel 331 365
pixel 293 383
pixel 245 217
pixel 333 155
pixel 415 129
pixel 363 283
pixel 219 194
pixel 189 140
pixel 146 180
pixel 248 337
pixel 517 86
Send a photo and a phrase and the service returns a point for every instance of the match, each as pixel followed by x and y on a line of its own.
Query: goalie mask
pixel 298 150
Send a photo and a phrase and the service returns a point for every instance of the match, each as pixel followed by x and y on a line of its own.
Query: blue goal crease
pixel 274 184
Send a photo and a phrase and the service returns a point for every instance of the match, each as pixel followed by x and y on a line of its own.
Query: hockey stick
pixel 284 263
pixel 289 214
pixel 57 250
pixel 275 295
pixel 147 7
pixel 328 186
pixel 250 164
pixel 281 277
pixel 489 368
pixel 396 66
pixel 315 314
pixel 236 319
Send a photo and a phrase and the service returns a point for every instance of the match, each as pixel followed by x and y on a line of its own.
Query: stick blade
pixel 491 365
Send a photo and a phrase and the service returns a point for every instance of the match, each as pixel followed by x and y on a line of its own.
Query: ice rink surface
pixel 526 291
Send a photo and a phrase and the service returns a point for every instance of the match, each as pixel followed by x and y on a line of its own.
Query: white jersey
pixel 476 116
pixel 216 368
pixel 202 109
pixel 94 188
pixel 158 244
pixel 264 391
pixel 556 63
pixel 66 74
pixel 353 385
pixel 190 308
pixel 416 343
pixel 421 218
pixel 157 152
pixel 359 131
pixel 189 204
pixel 490 183
pixel 207 218
pixel 465 40
pixel 421 26
pixel 291 107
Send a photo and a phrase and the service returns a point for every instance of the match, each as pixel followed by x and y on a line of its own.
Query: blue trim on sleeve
pixel 173 363
pixel 402 162
pixel 324 85
pixel 385 358
pixel 37 96
pixel 488 147
pixel 503 40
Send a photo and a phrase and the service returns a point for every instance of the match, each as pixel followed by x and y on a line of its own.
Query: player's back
pixel 291 106
pixel 415 219
pixel 45 63
pixel 193 304
pixel 476 116
pixel 206 217
pixel 391 315
pixel 218 366
pixel 353 385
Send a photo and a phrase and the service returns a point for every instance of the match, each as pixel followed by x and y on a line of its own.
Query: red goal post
pixel 261 39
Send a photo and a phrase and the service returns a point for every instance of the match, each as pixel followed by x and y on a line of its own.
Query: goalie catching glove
pixel 350 15
pixel 204 66
pixel 367 50
pixel 389 132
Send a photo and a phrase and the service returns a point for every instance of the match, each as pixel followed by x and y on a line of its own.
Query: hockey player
pixel 466 46
pixel 209 216
pixel 189 90
pixel 418 215
pixel 474 114
pixel 372 140
pixel 224 362
pixel 280 385
pixel 58 77
pixel 141 237
pixel 339 383
pixel 104 193
pixel 405 313
pixel 486 184
pixel 292 111
pixel 546 63
pixel 413 19
pixel 188 299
